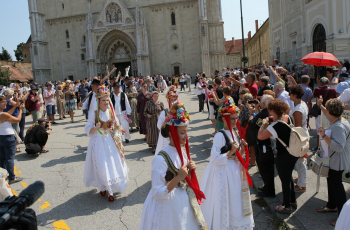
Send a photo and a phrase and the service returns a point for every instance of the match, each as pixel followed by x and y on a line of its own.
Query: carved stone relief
pixel 113 13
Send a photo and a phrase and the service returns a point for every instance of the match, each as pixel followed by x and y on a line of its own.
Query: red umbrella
pixel 320 59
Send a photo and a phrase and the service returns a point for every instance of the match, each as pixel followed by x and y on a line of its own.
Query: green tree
pixel 18 51
pixel 4 55
pixel 4 75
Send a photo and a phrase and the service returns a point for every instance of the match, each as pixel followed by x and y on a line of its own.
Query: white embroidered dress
pixel 104 166
pixel 221 184
pixel 163 210
pixel 162 141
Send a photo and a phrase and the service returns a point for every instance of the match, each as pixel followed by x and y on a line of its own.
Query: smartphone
pixel 271 120
pixel 253 102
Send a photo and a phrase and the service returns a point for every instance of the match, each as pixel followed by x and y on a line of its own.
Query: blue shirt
pixel 343 86
pixel 8 107
pixel 307 93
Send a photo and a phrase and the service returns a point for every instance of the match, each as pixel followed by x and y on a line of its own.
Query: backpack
pixel 298 141
pixel 27 105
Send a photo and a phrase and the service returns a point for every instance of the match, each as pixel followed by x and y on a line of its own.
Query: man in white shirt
pixel 345 97
pixel 90 104
pixel 122 109
pixel 283 95
pixel 188 77
pixel 182 82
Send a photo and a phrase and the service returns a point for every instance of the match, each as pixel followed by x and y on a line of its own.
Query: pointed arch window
pixel 173 19
pixel 67 34
pixel 319 39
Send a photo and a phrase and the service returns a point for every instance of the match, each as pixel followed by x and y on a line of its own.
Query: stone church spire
pixel 88 40
pixel 213 53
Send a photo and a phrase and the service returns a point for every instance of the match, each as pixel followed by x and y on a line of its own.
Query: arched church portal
pixel 116 49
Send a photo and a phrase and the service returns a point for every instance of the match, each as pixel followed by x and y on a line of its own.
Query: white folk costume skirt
pixel 343 221
pixel 104 166
pixel 226 206
pixel 163 210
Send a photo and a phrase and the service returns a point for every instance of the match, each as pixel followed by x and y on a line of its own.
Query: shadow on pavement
pixel 85 204
pixel 66 160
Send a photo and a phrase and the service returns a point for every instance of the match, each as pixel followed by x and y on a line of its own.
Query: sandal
pixel 334 222
pixel 284 210
pixel 296 180
pixel 326 209
pixel 110 198
pixel 103 193
pixel 18 150
pixel 294 205
pixel 299 189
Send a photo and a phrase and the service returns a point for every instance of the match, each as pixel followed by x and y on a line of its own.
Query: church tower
pixel 212 36
pixel 38 48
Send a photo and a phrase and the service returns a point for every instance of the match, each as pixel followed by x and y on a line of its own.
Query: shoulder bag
pixel 320 166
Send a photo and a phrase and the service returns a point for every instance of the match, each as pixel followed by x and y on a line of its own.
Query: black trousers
pixel 21 126
pixel 201 98
pixel 78 98
pixel 182 84
pixel 265 162
pixel 336 192
pixel 285 164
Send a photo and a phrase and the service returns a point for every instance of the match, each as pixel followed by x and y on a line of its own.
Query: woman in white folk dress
pixel 172 203
pixel 105 166
pixel 224 181
pixel 172 97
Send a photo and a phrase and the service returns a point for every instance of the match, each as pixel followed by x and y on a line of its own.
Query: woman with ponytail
pixel 226 180
pixel 173 202
pixel 105 166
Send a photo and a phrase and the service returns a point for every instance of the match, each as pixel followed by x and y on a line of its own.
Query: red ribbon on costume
pixel 238 154
pixel 193 182
pixel 112 108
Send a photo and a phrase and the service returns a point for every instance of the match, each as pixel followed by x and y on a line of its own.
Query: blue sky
pixel 15 25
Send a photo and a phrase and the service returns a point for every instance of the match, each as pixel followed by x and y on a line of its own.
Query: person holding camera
pixel 34 103
pixel 8 140
pixel 263 150
pixel 37 136
pixel 285 162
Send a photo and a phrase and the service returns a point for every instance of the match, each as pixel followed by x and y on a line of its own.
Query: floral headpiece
pixel 228 107
pixel 102 91
pixel 178 115
pixel 172 92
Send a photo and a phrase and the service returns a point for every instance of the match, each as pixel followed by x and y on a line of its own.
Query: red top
pixel 253 89
pixel 321 91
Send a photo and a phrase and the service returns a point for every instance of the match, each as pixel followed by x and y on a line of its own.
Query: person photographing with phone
pixel 8 140
pixel 34 103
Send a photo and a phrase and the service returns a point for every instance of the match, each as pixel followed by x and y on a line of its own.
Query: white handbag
pixel 197 91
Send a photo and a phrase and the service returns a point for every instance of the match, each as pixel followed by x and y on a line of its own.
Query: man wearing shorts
pixel 49 95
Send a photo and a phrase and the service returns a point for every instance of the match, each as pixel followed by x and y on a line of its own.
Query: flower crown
pixel 228 106
pixel 172 92
pixel 102 91
pixel 178 115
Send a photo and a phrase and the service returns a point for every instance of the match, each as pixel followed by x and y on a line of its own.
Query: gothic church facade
pixel 84 38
